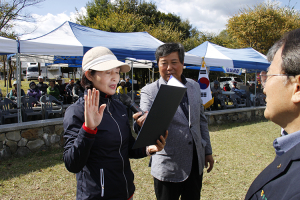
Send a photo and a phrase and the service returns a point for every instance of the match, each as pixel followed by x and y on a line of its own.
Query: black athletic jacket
pixel 101 160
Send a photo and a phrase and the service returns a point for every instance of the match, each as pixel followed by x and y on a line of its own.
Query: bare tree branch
pixel 12 11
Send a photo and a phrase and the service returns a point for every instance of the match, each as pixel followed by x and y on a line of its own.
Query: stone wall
pixel 235 115
pixel 20 139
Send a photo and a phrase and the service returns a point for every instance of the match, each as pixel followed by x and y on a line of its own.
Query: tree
pixel 134 16
pixel 11 11
pixel 259 27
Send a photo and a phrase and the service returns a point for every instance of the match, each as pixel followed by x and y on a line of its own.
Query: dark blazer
pixel 280 180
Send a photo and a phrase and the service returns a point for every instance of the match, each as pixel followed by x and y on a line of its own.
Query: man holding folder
pixel 178 168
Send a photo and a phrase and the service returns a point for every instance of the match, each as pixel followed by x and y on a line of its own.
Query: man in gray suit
pixel 178 168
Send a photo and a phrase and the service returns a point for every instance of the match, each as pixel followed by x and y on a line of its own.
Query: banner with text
pixel 229 70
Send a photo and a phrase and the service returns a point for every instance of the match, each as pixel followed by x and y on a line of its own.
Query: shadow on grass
pixel 18 166
pixel 233 124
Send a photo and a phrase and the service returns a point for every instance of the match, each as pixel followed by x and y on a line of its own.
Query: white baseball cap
pixel 102 59
pixel 41 77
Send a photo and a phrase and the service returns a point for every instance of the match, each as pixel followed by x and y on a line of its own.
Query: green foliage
pixel 118 22
pixel 134 16
pixel 259 27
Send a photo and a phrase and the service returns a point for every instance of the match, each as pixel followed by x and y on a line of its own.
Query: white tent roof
pixel 8 46
pixel 218 56
pixel 72 39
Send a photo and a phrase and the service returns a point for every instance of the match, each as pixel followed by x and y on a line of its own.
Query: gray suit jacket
pixel 174 162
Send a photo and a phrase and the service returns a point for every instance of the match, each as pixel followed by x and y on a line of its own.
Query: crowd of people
pixel 65 92
pixel 68 93
pixel 219 94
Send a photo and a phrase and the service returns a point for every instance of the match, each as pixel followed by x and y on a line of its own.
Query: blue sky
pixel 205 15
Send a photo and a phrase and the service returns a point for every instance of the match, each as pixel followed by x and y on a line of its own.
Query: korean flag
pixel 203 80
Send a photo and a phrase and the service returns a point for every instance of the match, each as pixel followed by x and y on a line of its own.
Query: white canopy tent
pixel 8 46
pixel 72 39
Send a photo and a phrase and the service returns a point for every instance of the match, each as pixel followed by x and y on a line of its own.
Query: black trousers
pixel 190 189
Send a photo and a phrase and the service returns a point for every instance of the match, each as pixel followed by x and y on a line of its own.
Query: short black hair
pixel 290 43
pixel 168 48
pixel 85 82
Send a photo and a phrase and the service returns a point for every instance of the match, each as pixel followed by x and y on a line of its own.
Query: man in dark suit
pixel 178 168
pixel 281 179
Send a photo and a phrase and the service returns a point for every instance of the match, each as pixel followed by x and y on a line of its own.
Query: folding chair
pixel 6 106
pixel 47 102
pixel 27 107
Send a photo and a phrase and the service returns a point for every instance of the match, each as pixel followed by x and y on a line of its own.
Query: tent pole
pixel 255 86
pixel 152 73
pixel 46 72
pixel 6 74
pixel 132 91
pixel 19 88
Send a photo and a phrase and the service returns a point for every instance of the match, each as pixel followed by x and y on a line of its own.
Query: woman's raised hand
pixel 92 114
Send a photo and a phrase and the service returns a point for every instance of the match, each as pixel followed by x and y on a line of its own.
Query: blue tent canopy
pixel 217 56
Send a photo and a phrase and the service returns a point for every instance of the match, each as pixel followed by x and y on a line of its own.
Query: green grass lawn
pixel 241 151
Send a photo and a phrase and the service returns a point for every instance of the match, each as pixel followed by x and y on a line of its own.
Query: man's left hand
pixel 160 144
pixel 209 159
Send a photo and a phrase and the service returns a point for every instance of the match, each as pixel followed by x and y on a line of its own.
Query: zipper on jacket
pixel 102 182
pixel 108 104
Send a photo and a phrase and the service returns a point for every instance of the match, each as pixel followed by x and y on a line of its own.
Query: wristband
pixel 90 131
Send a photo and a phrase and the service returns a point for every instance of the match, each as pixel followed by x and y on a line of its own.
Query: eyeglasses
pixel 265 77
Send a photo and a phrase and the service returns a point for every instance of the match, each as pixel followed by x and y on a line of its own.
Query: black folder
pixel 160 115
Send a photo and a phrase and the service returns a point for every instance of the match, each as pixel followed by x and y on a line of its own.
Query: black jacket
pixel 42 87
pixel 69 89
pixel 280 180
pixel 101 161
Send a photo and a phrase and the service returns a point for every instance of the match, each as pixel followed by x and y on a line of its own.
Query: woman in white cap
pixel 13 93
pixel 98 135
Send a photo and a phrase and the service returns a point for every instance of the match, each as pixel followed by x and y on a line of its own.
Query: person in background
pixel 34 91
pixel 98 135
pixel 178 169
pixel 216 91
pixel 128 85
pixel 0 93
pixel 252 88
pixel 41 85
pixel 61 87
pixel 52 90
pixel 13 95
pixel 78 91
pixel 69 91
pixel 226 87
pixel 234 87
pixel 122 89
pixel 281 179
